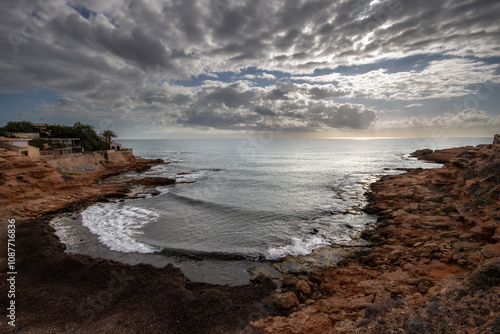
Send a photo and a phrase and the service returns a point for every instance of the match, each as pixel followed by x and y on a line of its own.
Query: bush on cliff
pixel 17 127
pixel 38 142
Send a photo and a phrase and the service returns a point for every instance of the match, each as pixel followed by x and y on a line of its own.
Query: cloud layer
pixel 250 65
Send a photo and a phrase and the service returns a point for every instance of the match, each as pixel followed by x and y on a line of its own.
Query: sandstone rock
pixel 424 285
pixel 491 251
pixel 332 304
pixel 317 324
pixel 303 322
pixel 360 303
pixel 285 300
pixel 496 140
pixel 445 155
pixel 421 153
pixel 303 287
pixel 290 280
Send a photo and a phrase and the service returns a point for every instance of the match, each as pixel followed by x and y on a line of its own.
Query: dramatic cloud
pixel 284 106
pixel 440 79
pixel 465 119
pixel 250 64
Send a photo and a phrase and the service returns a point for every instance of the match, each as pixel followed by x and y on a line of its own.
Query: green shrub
pixel 38 142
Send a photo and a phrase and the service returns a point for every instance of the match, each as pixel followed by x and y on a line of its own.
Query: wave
pixel 200 203
pixel 408 157
pixel 349 196
pixel 118 226
pixel 188 177
pixel 297 247
pixel 176 152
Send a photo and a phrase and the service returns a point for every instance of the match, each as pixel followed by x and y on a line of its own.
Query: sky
pixel 227 68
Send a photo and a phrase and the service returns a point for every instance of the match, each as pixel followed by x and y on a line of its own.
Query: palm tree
pixel 107 135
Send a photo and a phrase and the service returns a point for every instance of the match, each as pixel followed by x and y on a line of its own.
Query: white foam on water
pixel 158 170
pixel 163 189
pixel 118 225
pixel 190 176
pixel 64 231
pixel 298 247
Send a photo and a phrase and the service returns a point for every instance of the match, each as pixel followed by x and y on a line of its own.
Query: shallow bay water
pixel 241 202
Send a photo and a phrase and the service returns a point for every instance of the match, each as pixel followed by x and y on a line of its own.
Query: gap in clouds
pixel 302 66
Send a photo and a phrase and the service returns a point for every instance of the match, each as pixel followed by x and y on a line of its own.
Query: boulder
pixel 424 285
pixel 303 287
pixel 154 181
pixel 496 140
pixel 290 280
pixel 421 153
pixel 359 303
pixel 285 300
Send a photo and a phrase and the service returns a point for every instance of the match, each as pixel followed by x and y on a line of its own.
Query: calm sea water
pixel 241 200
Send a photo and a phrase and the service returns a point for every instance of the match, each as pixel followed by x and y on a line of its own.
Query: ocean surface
pixel 238 202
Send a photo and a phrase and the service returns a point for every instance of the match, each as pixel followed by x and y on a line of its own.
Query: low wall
pixel 33 152
pixel 76 162
pixel 119 157
pixel 88 162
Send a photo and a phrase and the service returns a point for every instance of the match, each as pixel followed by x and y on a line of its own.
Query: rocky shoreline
pixel 432 265
pixel 436 264
pixel 66 293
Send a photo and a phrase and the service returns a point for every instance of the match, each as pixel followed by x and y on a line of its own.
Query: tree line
pixel 90 140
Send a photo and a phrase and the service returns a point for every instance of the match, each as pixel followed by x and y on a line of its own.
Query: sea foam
pixel 117 226
pixel 297 247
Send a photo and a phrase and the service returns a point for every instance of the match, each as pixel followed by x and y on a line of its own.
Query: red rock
pixel 332 304
pixel 290 280
pixel 303 287
pixel 360 303
pixel 302 322
pixel 285 300
pixel 491 251
pixel 424 285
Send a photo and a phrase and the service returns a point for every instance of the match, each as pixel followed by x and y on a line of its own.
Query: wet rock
pixel 421 153
pixel 154 181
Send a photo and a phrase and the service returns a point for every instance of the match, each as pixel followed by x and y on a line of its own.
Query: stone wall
pixel 88 162
pixel 118 157
pixel 77 162
pixel 33 152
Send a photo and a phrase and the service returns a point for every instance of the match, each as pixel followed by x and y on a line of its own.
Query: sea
pixel 238 203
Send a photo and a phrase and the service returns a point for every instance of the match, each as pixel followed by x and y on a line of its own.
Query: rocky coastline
pixel 58 292
pixel 433 264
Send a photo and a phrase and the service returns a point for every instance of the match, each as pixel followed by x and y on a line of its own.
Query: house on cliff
pixel 63 146
pixel 53 146
pixel 47 149
pixel 19 145
pixel 115 146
